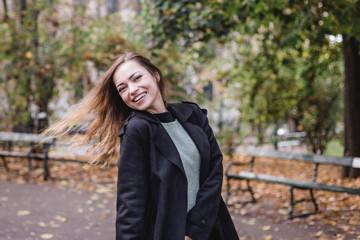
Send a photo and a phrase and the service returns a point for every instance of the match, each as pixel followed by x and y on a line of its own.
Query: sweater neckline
pixel 165 117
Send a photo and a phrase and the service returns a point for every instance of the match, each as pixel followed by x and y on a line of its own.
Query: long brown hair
pixel 102 112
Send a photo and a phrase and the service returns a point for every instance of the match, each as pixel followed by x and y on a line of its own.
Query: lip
pixel 141 95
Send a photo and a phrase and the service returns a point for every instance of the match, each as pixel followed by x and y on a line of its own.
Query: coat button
pixel 203 222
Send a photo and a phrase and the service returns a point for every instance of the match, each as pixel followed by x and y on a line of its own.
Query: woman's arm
pixel 201 218
pixel 132 191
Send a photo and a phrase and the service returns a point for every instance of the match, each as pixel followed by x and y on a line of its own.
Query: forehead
pixel 125 70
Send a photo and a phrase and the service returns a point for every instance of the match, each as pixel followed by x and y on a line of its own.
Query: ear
pixel 157 76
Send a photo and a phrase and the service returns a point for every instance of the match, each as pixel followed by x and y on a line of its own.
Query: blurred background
pixel 283 73
pixel 279 74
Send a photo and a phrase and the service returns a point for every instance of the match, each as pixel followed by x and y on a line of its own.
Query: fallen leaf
pixel 251 221
pixel 266 228
pixel 3 199
pixel 328 222
pixel 60 218
pixel 268 237
pixel 42 224
pixel 243 212
pixel 283 211
pixel 339 236
pixel 354 221
pixel 46 236
pixel 23 212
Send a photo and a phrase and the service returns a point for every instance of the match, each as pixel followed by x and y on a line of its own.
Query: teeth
pixel 139 97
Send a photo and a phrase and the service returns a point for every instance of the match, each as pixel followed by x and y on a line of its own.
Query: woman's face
pixel 138 88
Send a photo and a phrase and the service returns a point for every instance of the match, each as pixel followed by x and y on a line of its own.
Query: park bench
pixel 310 185
pixel 37 148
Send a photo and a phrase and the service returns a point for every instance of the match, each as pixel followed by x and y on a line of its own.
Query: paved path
pixel 31 211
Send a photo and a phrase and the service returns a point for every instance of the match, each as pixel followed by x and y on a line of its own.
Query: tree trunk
pixel 351 103
pixel 22 11
pixel 6 15
pixel 112 6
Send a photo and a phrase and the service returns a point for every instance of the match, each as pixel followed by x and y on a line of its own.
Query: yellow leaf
pixel 328 222
pixel 42 224
pixel 268 237
pixel 266 228
pixel 283 211
pixel 23 212
pixel 28 55
pixel 354 221
pixel 88 54
pixel 60 218
pixel 47 236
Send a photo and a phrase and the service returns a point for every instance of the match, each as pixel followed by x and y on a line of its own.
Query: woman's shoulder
pixel 185 106
pixel 135 125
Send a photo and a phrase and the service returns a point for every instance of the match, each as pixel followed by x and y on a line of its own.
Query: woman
pixel 170 166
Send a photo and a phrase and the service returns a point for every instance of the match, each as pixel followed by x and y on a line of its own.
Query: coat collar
pixel 181 112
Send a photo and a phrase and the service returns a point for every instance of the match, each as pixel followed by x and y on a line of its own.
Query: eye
pixel 120 89
pixel 137 77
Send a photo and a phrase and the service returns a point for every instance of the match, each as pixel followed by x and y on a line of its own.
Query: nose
pixel 133 89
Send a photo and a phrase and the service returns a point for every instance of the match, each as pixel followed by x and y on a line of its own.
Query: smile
pixel 139 97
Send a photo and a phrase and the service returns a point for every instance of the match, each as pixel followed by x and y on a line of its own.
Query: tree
pixel 193 21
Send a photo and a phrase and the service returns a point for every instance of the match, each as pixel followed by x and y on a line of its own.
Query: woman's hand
pixel 188 238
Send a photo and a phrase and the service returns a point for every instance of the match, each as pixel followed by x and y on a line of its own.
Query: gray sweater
pixel 189 155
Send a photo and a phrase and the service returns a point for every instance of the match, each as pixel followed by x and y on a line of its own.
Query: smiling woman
pixel 170 165
pixel 138 88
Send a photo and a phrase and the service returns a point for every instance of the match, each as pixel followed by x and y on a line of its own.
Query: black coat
pixel 152 186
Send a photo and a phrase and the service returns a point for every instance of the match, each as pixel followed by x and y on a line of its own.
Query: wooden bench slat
pixel 313 158
pixel 25 137
pixel 22 155
pixel 292 182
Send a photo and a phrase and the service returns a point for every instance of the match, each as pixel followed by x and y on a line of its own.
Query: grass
pixel 334 148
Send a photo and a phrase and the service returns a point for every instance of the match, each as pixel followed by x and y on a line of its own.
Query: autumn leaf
pixel 60 218
pixel 47 236
pixel 266 228
pixel 28 55
pixel 42 224
pixel 268 237
pixel 283 211
pixel 328 222
pixel 23 212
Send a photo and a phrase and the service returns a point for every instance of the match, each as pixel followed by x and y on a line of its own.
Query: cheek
pixel 124 98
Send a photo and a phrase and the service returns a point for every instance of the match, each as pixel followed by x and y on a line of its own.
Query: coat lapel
pixel 188 119
pixel 162 141
pixel 166 147
pixel 185 114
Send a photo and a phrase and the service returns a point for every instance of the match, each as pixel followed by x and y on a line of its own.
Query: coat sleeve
pixel 201 218
pixel 132 191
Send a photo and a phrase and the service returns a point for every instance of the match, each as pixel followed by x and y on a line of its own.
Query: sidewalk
pixel 31 211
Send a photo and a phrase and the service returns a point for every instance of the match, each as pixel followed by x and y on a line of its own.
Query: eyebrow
pixel 131 76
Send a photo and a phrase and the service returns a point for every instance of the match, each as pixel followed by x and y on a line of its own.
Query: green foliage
pixel 44 51
pixel 283 62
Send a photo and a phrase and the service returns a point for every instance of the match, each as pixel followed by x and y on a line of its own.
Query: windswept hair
pixel 102 113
